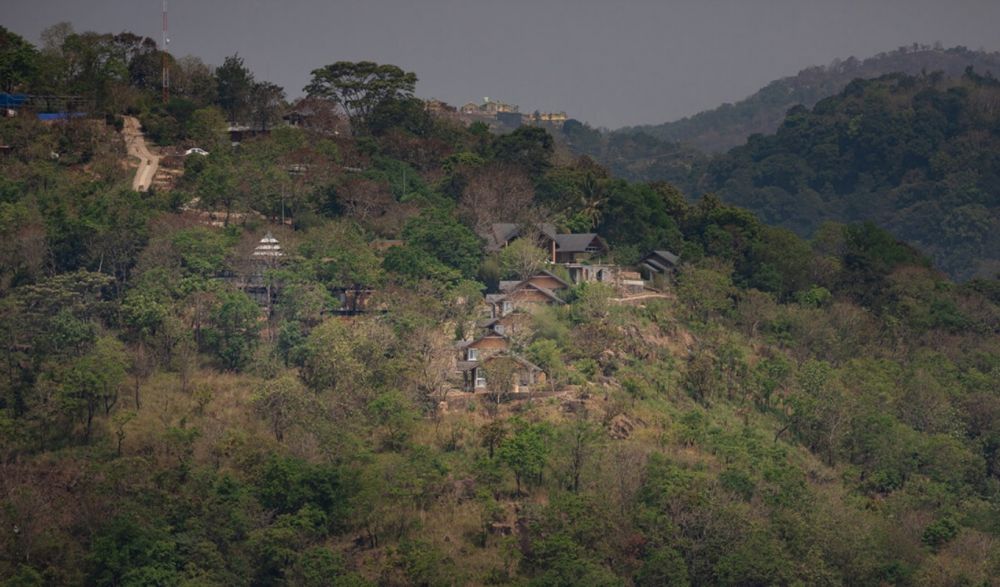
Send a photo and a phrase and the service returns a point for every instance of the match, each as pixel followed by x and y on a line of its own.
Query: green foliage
pixel 235 330
pixel 289 485
pixel 282 402
pixel 207 128
pixel 414 264
pixel 707 292
pixel 546 354
pixel 529 148
pixel 729 125
pixel 201 250
pixel 893 150
pixel 939 533
pixel 525 451
pixel 395 416
pixel 664 566
pixel 627 204
pixel 521 259
pixel 127 552
pixel 18 60
pixel 362 88
pixel 567 544
pixel 319 567
pixel 235 82
pixel 447 240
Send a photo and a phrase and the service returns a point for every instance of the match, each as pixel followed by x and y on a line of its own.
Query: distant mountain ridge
pixel 918 155
pixel 729 125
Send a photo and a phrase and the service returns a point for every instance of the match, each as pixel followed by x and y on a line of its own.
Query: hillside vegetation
pixel 785 411
pixel 920 156
pixel 729 125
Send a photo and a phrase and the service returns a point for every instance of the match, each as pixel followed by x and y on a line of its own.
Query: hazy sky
pixel 611 63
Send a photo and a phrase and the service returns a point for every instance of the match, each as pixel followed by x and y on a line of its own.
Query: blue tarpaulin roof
pixel 60 115
pixel 12 100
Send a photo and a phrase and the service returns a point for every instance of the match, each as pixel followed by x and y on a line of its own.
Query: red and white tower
pixel 163 52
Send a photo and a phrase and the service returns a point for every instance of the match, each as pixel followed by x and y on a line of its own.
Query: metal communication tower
pixel 163 53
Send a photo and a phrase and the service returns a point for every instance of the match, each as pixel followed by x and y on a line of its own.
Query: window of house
pixel 471 354
pixel 507 308
pixel 498 328
pixel 480 379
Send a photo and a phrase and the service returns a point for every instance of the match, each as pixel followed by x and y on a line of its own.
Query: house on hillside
pixel 510 325
pixel 318 115
pixel 502 234
pixel 623 280
pixel 524 295
pixel 574 248
pixel 539 289
pixel 658 263
pixel 561 248
pixel 543 279
pixel 526 375
pixel 488 344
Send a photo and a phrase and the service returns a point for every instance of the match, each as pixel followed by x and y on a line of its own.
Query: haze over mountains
pixel 913 152
pixel 729 125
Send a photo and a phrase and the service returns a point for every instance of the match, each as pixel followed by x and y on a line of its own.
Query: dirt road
pixel 136 145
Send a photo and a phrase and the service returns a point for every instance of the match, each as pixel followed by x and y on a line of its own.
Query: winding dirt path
pixel 136 144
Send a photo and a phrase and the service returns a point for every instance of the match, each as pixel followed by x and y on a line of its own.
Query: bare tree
pixel 363 199
pixel 522 259
pixel 501 373
pixel 496 193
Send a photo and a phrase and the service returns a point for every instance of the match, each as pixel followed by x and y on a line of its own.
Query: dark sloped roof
pixel 672 258
pixel 576 243
pixel 553 276
pixel 659 261
pixel 502 232
pixel 547 292
pixel 467 365
pixel 490 334
pixel 512 285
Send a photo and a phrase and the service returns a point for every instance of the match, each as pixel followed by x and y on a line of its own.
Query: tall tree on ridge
pixel 235 83
pixel 359 88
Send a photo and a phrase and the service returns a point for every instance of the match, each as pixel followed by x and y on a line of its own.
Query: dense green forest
pixel 785 411
pixel 915 154
pixel 920 156
pixel 730 125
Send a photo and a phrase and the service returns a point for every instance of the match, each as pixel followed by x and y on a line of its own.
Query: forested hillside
pixel 777 411
pixel 920 156
pixel 729 125
pixel 635 156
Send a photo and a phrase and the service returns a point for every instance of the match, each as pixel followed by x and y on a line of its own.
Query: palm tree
pixel 592 199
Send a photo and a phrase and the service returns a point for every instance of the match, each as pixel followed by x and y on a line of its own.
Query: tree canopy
pixel 360 88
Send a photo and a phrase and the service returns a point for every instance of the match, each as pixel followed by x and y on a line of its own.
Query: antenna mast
pixel 163 53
